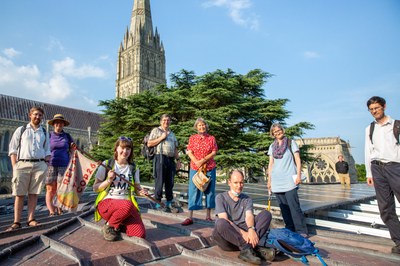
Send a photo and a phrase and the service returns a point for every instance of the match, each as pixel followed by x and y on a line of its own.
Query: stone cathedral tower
pixel 141 55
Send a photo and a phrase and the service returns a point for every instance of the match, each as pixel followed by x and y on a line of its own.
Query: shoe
pixel 188 221
pixel 167 209
pixel 267 254
pixel 14 226
pixel 109 233
pixel 157 206
pixel 248 255
pixel 32 222
pixel 396 249
pixel 209 219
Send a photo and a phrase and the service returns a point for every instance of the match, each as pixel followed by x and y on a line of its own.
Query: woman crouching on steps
pixel 116 203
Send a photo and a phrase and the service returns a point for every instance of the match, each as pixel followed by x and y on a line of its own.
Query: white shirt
pixel 118 189
pixel 34 143
pixel 384 147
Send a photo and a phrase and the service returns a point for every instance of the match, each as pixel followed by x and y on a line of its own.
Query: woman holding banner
pixel 116 203
pixel 60 144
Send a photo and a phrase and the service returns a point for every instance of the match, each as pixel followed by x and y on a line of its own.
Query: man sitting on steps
pixel 236 227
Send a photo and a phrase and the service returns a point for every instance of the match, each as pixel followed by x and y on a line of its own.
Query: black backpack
pixel 147 152
pixel 396 131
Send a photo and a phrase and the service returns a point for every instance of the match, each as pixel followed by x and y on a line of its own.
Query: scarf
pixel 279 150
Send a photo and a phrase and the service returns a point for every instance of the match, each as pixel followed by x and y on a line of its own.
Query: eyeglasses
pixel 375 109
pixel 125 138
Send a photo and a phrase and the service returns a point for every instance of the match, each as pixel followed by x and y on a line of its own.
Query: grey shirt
pixel 236 210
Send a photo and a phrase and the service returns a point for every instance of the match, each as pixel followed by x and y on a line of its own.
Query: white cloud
pixel 55 86
pixel 236 9
pixel 311 54
pixel 67 67
pixel 54 44
pixel 11 52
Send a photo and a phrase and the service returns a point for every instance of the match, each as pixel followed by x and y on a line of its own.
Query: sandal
pixel 29 223
pixel 52 214
pixel 59 211
pixel 14 226
pixel 188 221
pixel 209 219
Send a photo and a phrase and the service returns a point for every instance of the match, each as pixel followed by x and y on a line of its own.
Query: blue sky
pixel 327 57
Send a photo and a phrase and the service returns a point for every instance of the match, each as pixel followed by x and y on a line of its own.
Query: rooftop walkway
pixel 75 239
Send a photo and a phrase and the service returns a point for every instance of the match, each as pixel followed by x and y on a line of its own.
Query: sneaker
pixel 396 249
pixel 109 233
pixel 166 209
pixel 248 255
pixel 267 254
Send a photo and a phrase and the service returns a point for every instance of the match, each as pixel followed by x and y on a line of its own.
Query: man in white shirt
pixel 382 163
pixel 29 151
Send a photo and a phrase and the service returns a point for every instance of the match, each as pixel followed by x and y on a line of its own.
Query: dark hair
pixel 36 108
pixel 376 99
pixel 123 143
pixel 235 170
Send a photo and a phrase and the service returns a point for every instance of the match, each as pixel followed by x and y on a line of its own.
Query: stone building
pixel 14 113
pixel 325 152
pixel 141 55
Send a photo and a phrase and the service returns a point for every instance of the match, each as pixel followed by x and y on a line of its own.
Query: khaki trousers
pixel 344 178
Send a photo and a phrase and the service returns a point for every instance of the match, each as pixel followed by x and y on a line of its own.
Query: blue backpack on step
pixel 292 244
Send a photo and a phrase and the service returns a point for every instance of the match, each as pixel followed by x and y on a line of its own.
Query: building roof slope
pixel 14 108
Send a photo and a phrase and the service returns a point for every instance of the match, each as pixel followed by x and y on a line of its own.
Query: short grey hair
pixel 200 120
pixel 274 125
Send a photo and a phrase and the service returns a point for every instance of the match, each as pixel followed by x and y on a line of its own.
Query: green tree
pixel 234 105
pixel 361 173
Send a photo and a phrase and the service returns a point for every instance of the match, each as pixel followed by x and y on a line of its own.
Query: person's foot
pixel 209 219
pixel 109 233
pixel 188 221
pixel 267 254
pixel 14 226
pixel 248 255
pixel 396 249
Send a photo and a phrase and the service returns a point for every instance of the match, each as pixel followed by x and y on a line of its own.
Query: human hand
pixel 110 176
pixel 370 181
pixel 143 191
pixel 252 238
pixel 73 146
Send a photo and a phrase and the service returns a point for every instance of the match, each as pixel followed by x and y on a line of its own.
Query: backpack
pixel 147 152
pixel 292 244
pixel 396 131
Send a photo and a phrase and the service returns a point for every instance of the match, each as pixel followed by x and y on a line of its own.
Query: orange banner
pixel 76 177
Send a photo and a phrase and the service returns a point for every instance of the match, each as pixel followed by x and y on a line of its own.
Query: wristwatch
pixel 252 227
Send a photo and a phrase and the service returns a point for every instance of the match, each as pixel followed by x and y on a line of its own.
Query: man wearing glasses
pixel 166 152
pixel 382 163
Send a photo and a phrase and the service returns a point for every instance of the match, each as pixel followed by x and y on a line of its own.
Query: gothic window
pixel 147 66
pixel 129 66
pixel 6 140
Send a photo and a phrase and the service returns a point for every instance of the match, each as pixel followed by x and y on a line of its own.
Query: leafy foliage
pixel 361 172
pixel 234 106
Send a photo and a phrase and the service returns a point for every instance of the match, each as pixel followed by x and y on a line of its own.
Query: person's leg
pixel 387 184
pixel 210 191
pixel 158 176
pixel 32 202
pixel 194 195
pixel 227 237
pixel 51 190
pixel 262 222
pixel 296 213
pixel 348 181
pixel 115 211
pixel 342 180
pixel 169 179
pixel 18 206
pixel 134 224
pixel 285 211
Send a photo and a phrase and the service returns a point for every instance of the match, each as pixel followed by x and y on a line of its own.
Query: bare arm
pixel 270 166
pixel 298 167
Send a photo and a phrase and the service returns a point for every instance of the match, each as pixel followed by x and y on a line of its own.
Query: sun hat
pixel 58 117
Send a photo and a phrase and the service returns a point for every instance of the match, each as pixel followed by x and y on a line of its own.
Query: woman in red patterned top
pixel 201 149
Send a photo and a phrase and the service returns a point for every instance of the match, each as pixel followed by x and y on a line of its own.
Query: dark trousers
pixel 291 212
pixel 164 173
pixel 229 238
pixel 387 185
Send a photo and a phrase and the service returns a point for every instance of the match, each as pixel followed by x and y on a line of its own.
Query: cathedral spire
pixel 141 56
pixel 141 18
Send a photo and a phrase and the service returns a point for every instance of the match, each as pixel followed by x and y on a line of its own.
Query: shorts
pixel 55 174
pixel 28 178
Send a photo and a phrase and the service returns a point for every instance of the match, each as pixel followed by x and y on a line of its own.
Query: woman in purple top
pixel 60 143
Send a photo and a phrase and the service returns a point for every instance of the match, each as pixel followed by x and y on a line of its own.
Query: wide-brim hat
pixel 58 117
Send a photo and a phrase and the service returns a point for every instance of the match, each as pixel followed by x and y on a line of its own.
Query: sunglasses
pixel 125 138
